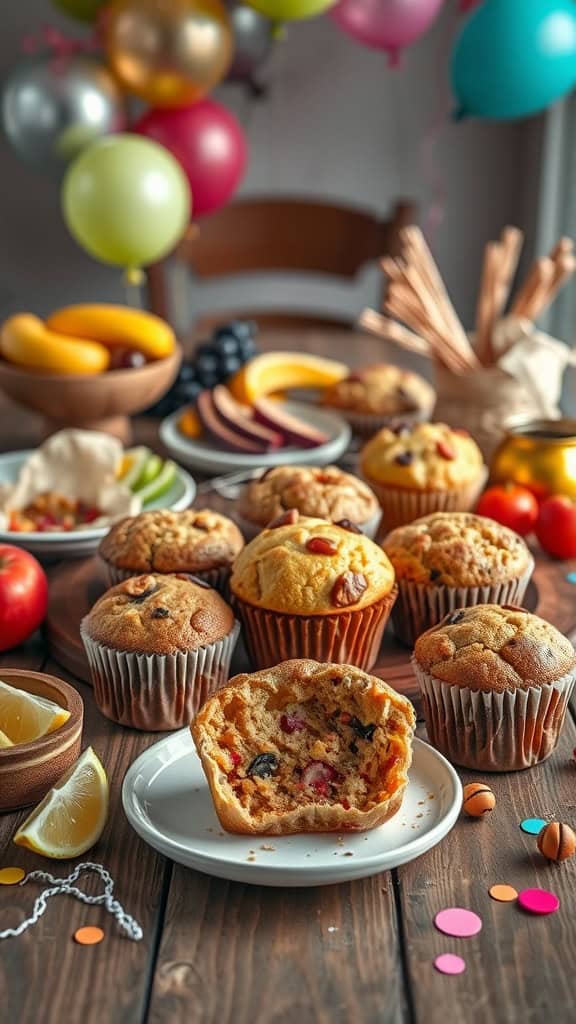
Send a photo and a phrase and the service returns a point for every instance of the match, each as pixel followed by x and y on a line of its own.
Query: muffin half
pixel 305 747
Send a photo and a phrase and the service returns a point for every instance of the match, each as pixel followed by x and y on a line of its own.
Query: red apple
pixel 23 595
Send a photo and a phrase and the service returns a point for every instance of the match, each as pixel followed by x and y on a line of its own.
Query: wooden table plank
pixel 520 967
pixel 246 954
pixel 106 983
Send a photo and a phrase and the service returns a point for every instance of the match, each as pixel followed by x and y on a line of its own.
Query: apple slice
pixel 222 434
pixel 239 419
pixel 294 430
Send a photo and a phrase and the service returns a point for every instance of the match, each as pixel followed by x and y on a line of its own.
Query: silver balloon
pixel 253 40
pixel 52 107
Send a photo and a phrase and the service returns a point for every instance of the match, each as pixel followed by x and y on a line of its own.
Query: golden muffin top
pixel 382 389
pixel 305 566
pixel 494 649
pixel 457 549
pixel 432 456
pixel 325 492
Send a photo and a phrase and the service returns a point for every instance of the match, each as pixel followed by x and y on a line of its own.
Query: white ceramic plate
pixel 206 457
pixel 60 545
pixel 167 801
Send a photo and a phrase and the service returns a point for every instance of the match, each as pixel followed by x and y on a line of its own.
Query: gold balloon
pixel 168 52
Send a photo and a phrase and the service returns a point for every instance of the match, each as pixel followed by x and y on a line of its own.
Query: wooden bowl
pixel 100 401
pixel 28 770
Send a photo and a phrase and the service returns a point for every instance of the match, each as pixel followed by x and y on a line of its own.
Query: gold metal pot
pixel 538 454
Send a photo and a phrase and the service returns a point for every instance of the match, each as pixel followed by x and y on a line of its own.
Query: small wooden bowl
pixel 102 401
pixel 28 770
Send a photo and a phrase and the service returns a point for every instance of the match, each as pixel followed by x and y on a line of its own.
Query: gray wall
pixel 336 124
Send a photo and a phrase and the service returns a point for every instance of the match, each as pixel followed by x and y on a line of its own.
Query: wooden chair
pixel 281 235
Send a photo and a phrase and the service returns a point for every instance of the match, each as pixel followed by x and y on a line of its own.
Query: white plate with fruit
pixel 68 528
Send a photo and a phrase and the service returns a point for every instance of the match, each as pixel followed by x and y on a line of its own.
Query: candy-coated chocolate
pixel 557 841
pixel 478 799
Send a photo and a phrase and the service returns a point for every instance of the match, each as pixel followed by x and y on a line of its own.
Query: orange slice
pixel 189 424
pixel 281 371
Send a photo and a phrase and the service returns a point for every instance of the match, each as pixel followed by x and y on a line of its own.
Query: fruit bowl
pixel 96 402
pixel 27 771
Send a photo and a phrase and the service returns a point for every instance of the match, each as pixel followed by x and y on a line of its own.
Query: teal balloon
pixel 513 58
pixel 126 200
pixel 83 10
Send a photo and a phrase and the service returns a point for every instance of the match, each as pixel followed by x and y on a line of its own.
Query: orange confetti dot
pixel 11 876
pixel 503 893
pixel 88 936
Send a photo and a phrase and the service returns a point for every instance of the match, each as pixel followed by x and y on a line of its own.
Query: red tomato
pixel 556 526
pixel 23 596
pixel 510 505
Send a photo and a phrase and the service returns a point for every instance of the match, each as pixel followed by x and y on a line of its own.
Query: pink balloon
pixel 208 142
pixel 386 24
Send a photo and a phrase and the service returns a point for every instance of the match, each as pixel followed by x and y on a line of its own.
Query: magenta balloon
pixel 386 24
pixel 208 142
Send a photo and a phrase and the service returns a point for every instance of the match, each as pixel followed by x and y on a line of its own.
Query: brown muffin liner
pixel 216 578
pixel 366 424
pixel 157 692
pixel 422 605
pixel 494 732
pixel 251 530
pixel 347 638
pixel 401 505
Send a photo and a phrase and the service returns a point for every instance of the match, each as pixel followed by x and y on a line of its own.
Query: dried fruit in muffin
pixel 430 456
pixel 305 747
pixel 326 492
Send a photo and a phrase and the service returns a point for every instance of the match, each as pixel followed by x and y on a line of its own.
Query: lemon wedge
pixel 71 817
pixel 25 717
pixel 4 741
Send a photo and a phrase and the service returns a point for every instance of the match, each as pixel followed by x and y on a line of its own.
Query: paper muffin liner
pixel 401 505
pixel 348 638
pixel 250 529
pixel 422 605
pixel 157 692
pixel 365 424
pixel 494 732
pixel 216 578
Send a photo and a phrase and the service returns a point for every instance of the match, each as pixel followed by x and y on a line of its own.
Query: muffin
pixel 321 492
pixel 377 395
pixel 304 747
pixel 429 468
pixel 197 541
pixel 157 647
pixel 453 560
pixel 495 684
pixel 307 588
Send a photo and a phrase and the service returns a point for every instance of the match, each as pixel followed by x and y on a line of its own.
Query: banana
pixel 117 327
pixel 26 341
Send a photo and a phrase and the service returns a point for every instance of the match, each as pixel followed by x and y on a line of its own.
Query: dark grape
pixel 188 371
pixel 230 365
pixel 248 348
pixel 127 359
pixel 206 348
pixel 241 329
pixel 226 345
pixel 210 380
pixel 206 363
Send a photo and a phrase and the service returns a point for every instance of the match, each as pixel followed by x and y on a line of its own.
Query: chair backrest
pixel 282 235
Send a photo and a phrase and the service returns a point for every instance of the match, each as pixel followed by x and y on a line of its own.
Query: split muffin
pixel 495 684
pixel 196 541
pixel 375 396
pixel 157 647
pixel 325 492
pixel 305 747
pixel 424 469
pixel 307 588
pixel 452 560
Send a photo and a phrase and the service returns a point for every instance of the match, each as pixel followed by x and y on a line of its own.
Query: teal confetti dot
pixel 533 826
pixel 571 577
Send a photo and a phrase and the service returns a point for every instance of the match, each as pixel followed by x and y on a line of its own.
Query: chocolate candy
pixel 478 799
pixel 557 841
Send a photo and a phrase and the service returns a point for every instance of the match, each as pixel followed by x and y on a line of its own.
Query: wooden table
pixel 225 953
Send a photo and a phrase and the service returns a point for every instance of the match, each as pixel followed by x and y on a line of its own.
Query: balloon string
pixel 61 46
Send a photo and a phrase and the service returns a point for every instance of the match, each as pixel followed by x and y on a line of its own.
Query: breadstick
pixel 512 240
pixel 486 309
pixel 390 330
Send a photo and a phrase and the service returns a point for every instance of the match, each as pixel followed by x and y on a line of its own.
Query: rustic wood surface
pixel 223 952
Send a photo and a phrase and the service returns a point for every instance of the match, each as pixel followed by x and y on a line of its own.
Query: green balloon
pixel 126 200
pixel 83 10
pixel 290 10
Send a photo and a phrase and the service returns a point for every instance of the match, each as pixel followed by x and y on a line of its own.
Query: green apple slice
pixel 134 460
pixel 160 485
pixel 149 471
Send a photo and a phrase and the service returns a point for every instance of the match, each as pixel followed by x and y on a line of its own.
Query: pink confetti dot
pixel 449 963
pixel 538 901
pixel 458 922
